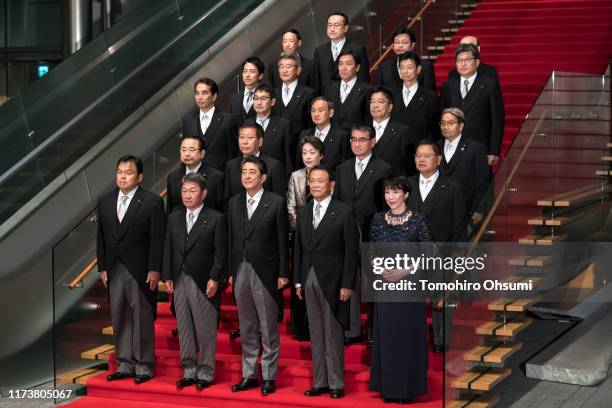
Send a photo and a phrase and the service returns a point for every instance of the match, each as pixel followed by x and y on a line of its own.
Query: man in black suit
pixel 359 185
pixel 439 199
pixel 241 103
pixel 258 227
pixel 250 140
pixel 336 140
pixel 394 142
pixel 350 94
pixel 480 99
pixel 389 73
pixel 131 227
pixel 484 69
pixel 195 253
pixel 326 245
pixel 292 42
pixel 277 138
pixel 292 97
pixel 326 55
pixel 217 129
pixel 464 161
pixel 192 152
pixel 414 105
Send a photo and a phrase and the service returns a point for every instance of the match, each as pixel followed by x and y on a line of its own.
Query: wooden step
pixel 510 305
pixel 510 328
pixel 607 158
pixel 540 261
pixel 496 354
pixel 480 378
pixel 479 401
pixel 603 173
pixel 528 239
pixel 536 221
pixel 99 353
pixel 80 376
pixel 519 260
pixel 563 220
pixel 450 30
pixel 108 330
pixel 562 197
pixel 545 240
pixel 456 22
pixel 609 145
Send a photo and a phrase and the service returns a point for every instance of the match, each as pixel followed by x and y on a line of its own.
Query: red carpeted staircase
pixel 294 376
pixel 527 39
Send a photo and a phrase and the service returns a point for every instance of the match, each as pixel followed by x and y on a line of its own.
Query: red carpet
pixel 294 375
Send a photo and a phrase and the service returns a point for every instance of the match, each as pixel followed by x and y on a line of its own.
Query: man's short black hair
pixel 409 32
pixel 265 88
pixel 383 90
pixel 364 127
pixel 198 138
pixel 255 61
pixel 324 168
pixel 261 165
pixel 134 159
pixel 251 124
pixel 294 31
pixel 429 142
pixel 410 55
pixel 467 48
pixel 194 178
pixel 355 56
pixel 341 14
pixel 330 104
pixel 214 88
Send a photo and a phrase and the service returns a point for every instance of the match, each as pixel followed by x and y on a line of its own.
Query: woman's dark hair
pixel 397 183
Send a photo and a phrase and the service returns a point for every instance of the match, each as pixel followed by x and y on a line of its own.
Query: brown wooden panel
pixel 536 221
pixel 108 330
pixel 98 353
pixel 540 261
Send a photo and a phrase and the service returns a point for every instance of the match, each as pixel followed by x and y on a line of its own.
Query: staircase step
pixel 480 378
pixel 481 401
pixel 99 353
pixel 510 328
pixel 575 197
pixel 607 158
pixel 603 173
pixel 80 376
pixel 511 305
pixel 496 354
pixel 540 261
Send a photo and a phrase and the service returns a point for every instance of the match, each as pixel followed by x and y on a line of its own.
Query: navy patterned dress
pixel 400 352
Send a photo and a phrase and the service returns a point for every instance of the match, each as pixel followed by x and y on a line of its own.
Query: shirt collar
pixel 130 194
pixel 364 161
pixel 432 178
pixel 195 212
pixel 325 130
pixel 256 197
pixel 324 204
pixel 210 113
pixel 454 143
pixel 188 170
pixel 350 83
pixel 291 86
pixel 384 123
pixel 470 79
pixel 339 43
pixel 413 88
pixel 247 91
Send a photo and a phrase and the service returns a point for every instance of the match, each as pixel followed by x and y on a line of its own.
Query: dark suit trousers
pixel 132 318
pixel 326 337
pixel 257 314
pixel 441 324
pixel 196 320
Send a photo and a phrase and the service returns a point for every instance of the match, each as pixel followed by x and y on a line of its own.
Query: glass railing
pixel 57 119
pixel 550 225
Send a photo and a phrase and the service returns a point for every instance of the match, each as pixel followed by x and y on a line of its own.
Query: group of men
pixel 226 221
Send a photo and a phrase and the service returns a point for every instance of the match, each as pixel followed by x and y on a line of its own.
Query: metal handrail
pixel 93 263
pixel 414 19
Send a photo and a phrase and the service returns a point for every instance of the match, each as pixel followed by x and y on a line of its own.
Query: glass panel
pixel 34 24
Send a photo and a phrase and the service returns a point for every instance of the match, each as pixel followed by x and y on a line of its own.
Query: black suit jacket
pixel 331 250
pixel 214 184
pixel 421 115
pixel 444 209
pixel 389 76
pixel 262 240
pixel 484 69
pixel 326 70
pixel 305 78
pixel 278 142
pixel 298 110
pixel 468 167
pixel 365 196
pixel 275 181
pixel 483 108
pixel 237 108
pixel 137 242
pixel 201 254
pixel 221 138
pixel 394 147
pixel 355 108
pixel 336 144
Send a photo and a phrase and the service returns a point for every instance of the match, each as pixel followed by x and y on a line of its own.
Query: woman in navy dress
pixel 399 353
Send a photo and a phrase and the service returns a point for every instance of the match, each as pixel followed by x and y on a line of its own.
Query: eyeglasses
pixel 261 98
pixel 191 150
pixel 424 155
pixel 378 101
pixel 287 66
pixel 359 140
pixel 401 43
pixel 464 61
pixel 449 124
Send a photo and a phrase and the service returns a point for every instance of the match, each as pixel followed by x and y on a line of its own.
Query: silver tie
pixel 448 152
pixel 122 208
pixel 317 216
pixel 335 51
pixel 263 123
pixel 379 130
pixel 250 207
pixel 286 99
pixel 465 90
pixel 205 123
pixel 319 135
pixel 359 169
pixel 248 102
pixel 190 219
pixel 406 97
pixel 344 92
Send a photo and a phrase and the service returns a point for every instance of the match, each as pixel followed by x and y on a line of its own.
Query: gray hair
pixel 456 112
pixel 194 178
pixel 292 56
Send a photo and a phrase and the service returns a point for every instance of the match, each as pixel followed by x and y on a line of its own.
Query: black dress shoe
pixel 268 387
pixel 139 379
pixel 185 382
pixel 201 384
pixel 175 332
pixel 352 340
pixel 235 333
pixel 118 375
pixel 245 384
pixel 335 394
pixel 315 392
pixel 397 400
pixel 370 343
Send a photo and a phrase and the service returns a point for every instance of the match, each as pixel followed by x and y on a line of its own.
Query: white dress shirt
pixel 188 170
pixel 129 195
pixel 264 122
pixel 287 96
pixel 380 128
pixel 209 115
pixel 365 165
pixel 324 205
pixel 338 46
pixel 346 88
pixel 245 98
pixel 450 148
pixel 322 134
pixel 470 82
pixel 196 214
pixel 412 90
pixel 426 184
pixel 256 197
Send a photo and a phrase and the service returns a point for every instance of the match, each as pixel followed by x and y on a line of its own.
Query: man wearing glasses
pixel 479 97
pixel 484 69
pixel 389 73
pixel 359 185
pixel 326 55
